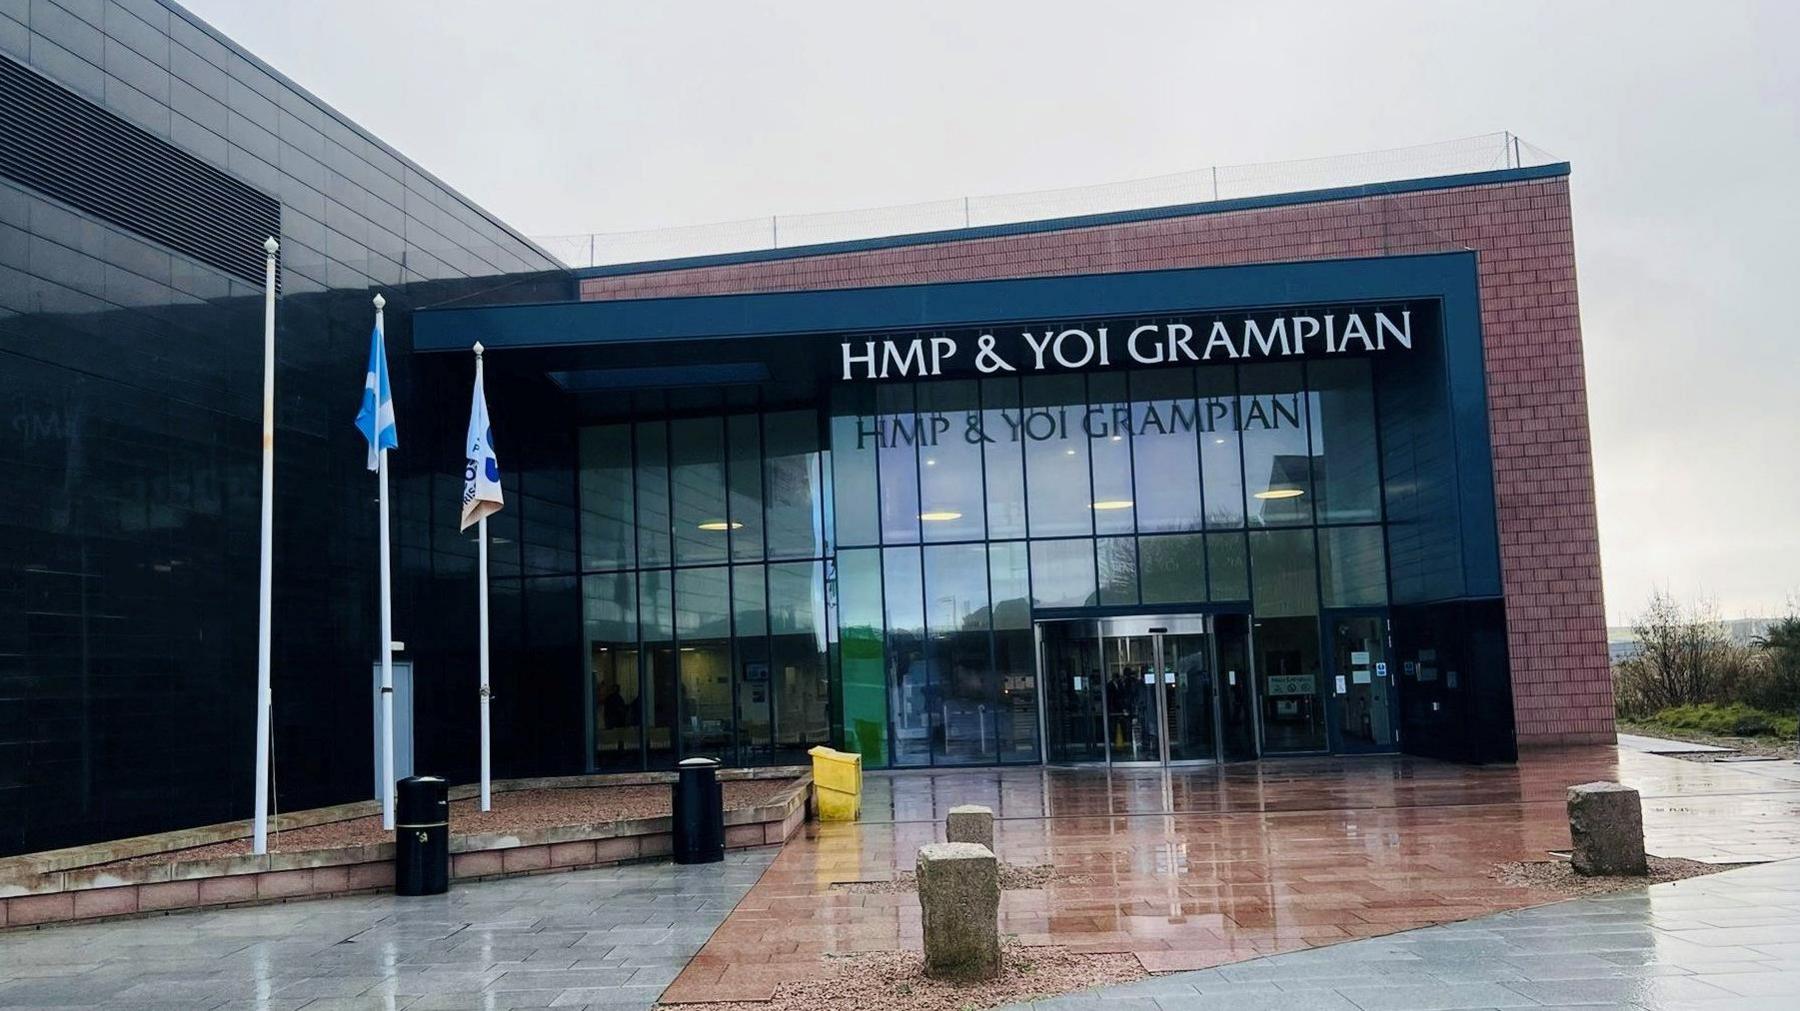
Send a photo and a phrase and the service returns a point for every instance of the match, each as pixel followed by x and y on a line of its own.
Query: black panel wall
pixel 130 397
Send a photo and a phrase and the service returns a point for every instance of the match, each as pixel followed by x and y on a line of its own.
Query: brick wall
pixel 1537 399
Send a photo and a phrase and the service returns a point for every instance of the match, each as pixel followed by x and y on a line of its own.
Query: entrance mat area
pixel 1208 866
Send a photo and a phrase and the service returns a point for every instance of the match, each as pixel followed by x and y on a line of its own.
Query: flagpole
pixel 482 554
pixel 387 631
pixel 259 829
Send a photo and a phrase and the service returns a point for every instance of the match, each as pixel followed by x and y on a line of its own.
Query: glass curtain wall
pixel 703 548
pixel 758 583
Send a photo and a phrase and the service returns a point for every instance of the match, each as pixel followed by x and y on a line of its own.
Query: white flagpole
pixel 482 536
pixel 259 839
pixel 387 629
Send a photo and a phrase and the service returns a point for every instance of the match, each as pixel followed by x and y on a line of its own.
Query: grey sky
pixel 1682 122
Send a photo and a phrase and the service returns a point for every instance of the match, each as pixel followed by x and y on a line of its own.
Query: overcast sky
pixel 1682 122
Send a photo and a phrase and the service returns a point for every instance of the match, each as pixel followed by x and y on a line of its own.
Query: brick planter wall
pixel 1537 398
pixel 104 892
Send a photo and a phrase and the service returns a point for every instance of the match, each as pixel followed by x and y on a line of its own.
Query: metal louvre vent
pixel 69 148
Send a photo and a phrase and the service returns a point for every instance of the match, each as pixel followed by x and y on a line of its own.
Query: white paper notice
pixel 1359 658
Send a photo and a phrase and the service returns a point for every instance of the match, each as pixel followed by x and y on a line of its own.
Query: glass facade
pixel 869 575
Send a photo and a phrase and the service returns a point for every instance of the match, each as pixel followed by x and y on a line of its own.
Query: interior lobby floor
pixel 1204 866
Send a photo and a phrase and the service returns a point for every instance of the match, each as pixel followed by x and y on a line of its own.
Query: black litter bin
pixel 699 809
pixel 421 836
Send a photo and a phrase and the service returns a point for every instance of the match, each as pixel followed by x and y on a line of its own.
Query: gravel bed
pixel 1013 878
pixel 896 981
pixel 1560 876
pixel 515 811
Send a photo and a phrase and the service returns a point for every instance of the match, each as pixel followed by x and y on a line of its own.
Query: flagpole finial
pixel 379 301
pixel 270 245
pixel 479 349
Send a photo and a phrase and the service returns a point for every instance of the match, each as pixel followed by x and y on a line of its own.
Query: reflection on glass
pixel 1165 424
pixel 950 498
pixel 909 674
pixel 1353 567
pixel 653 493
pixel 743 439
pixel 1003 451
pixel 956 619
pixel 697 479
pixel 792 485
pixel 1056 456
pixel 750 623
pixel 1173 568
pixel 1228 566
pixel 1062 573
pixel 855 505
pixel 1277 461
pixel 1118 569
pixel 797 658
pixel 898 432
pixel 1015 662
pixel 1346 470
pixel 1010 584
pixel 656 618
pixel 1221 469
pixel 609 608
pixel 1107 427
pixel 703 660
pixel 1283 573
pixel 608 524
pixel 862 654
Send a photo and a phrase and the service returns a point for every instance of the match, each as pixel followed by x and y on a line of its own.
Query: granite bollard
pixel 970 823
pixel 1606 821
pixel 959 900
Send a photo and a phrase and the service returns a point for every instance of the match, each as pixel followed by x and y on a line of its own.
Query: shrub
pixel 1734 720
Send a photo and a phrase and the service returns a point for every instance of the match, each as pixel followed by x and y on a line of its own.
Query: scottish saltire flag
pixel 481 471
pixel 376 419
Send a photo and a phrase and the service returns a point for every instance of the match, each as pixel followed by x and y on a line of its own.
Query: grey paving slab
pixel 607 938
pixel 1724 942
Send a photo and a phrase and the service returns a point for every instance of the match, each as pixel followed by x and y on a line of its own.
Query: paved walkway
pixel 1726 942
pixel 610 939
pixel 1214 865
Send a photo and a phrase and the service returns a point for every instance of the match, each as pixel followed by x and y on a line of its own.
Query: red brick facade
pixel 1537 399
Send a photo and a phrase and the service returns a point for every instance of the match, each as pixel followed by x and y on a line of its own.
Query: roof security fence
pixel 1484 153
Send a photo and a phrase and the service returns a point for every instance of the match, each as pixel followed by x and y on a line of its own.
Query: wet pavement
pixel 1210 866
pixel 606 938
pixel 1725 942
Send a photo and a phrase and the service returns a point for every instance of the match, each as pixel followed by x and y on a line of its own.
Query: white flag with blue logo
pixel 376 419
pixel 481 471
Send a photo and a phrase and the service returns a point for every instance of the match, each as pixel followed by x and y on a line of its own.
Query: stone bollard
pixel 959 899
pixel 971 823
pixel 1606 820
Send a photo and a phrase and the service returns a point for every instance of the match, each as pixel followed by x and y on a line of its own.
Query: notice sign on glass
pixel 1290 684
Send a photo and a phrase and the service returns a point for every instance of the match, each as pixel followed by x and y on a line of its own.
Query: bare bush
pixel 1686 658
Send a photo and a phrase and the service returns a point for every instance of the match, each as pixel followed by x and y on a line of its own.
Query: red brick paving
pixel 1222 864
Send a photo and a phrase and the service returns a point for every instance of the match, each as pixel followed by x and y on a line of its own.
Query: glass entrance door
pixel 1362 708
pixel 1129 690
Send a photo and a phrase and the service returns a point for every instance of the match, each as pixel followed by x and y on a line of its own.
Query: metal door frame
pixel 1328 654
pixel 1154 627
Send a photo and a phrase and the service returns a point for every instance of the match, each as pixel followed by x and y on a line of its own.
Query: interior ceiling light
pixel 940 516
pixel 1273 493
pixel 721 525
pixel 1113 503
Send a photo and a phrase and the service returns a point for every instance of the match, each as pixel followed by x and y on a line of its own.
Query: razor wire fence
pixel 1487 152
